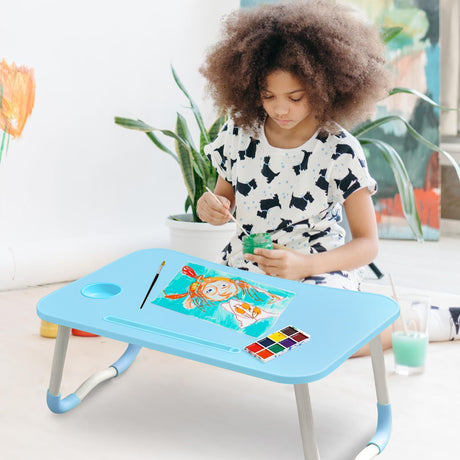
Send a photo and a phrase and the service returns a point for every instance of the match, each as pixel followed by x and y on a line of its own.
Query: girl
pixel 292 77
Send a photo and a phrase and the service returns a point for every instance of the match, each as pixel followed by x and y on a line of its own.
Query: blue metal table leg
pixel 54 401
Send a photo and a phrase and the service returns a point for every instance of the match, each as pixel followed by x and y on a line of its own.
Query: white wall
pixel 76 190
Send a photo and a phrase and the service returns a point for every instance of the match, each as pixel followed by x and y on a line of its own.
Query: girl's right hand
pixel 210 210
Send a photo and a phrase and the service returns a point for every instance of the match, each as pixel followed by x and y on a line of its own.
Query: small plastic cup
pixel 256 240
pixel 48 329
pixel 410 342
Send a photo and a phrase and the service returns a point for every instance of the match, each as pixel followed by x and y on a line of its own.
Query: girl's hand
pixel 281 263
pixel 210 210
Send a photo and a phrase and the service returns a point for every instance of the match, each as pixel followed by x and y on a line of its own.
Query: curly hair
pixel 338 57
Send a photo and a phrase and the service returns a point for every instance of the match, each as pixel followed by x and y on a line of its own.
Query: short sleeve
pixel 349 171
pixel 219 152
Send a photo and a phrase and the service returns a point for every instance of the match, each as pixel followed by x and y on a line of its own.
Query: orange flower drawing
pixel 17 97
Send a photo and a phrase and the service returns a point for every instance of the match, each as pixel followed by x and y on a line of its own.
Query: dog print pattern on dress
pixel 294 194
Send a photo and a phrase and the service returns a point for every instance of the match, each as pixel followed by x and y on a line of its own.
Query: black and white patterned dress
pixel 294 194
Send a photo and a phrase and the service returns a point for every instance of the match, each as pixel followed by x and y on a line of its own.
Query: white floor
pixel 168 408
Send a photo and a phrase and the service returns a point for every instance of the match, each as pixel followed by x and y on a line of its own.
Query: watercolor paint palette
pixel 278 343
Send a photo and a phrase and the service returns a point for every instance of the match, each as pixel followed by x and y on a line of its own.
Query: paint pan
pixel 277 343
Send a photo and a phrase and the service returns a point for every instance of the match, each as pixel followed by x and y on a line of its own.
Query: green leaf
pixel 403 183
pixel 185 132
pixel 193 106
pixel 388 33
pixel 160 145
pixel 187 204
pixel 3 143
pixel 212 180
pixel 139 125
pixel 144 127
pixel 200 189
pixel 203 143
pixel 213 131
pixel 5 140
pixel 212 134
pixel 424 97
pixel 217 126
pixel 199 165
pixel 366 127
pixel 185 155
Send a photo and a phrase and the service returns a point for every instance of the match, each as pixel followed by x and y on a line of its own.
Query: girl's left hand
pixel 281 263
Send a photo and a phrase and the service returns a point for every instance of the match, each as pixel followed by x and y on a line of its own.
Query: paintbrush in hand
pixel 275 245
pixel 231 217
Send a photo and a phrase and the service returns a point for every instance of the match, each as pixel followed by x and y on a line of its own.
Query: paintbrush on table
pixel 153 282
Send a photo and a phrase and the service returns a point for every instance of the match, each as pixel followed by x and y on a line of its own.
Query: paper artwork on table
pixel 230 301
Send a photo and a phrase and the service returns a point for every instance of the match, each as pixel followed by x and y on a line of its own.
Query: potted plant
pixel 198 173
pixel 188 233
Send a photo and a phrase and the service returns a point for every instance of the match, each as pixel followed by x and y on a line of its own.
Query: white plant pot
pixel 198 238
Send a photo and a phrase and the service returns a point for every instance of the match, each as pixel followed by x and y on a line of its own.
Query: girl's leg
pixel 444 324
pixel 339 279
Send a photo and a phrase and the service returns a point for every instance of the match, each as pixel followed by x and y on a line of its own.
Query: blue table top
pixel 339 322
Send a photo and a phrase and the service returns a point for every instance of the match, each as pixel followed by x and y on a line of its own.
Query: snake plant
pixel 197 171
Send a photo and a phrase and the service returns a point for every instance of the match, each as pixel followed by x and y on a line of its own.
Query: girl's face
pixel 220 290
pixel 285 101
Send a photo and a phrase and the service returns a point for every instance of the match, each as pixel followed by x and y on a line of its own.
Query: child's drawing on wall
pixel 227 300
pixel 17 97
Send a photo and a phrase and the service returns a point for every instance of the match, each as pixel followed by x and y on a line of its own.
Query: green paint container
pixel 256 240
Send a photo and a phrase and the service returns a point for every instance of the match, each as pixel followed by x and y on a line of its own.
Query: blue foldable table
pixel 107 302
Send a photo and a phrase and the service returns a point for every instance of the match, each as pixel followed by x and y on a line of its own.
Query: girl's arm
pixel 361 250
pixel 209 209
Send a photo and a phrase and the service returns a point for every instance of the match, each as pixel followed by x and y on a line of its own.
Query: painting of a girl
pixel 220 298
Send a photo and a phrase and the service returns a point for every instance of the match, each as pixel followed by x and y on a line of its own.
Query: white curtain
pixel 450 66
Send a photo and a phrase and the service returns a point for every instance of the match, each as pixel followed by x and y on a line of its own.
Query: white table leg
pixel 383 431
pixel 60 351
pixel 54 401
pixel 307 432
pixel 378 366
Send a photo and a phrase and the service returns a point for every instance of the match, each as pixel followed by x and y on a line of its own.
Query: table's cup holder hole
pixel 101 290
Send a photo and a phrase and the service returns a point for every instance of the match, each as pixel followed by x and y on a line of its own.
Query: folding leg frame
pixel 58 405
pixel 382 434
pixel 373 448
